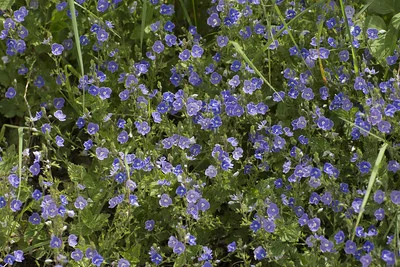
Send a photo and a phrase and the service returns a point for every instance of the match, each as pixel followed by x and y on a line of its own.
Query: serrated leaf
pixel 76 172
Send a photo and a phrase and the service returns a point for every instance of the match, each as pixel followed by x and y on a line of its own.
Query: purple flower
pixel 364 167
pixel 104 93
pixel 379 214
pixel 214 20
pixel 77 254
pixel 102 35
pixel 142 127
pixel 15 205
pixel 192 196
pixel 123 137
pixel 14 180
pixel 123 263
pixel 314 224
pixel 165 200
pixel 80 203
pixel 102 5
pixel 149 225
pixel 34 218
pixel 350 247
pixel 179 248
pixel 72 240
pixel 57 49
pixel 339 237
pixel 19 255
pixel 379 196
pixel 102 153
pixel 60 115
pixel 59 102
pixel 372 33
pixel 388 257
pixel 97 260
pixel 273 211
pixel 11 93
pixel 384 127
pixel 356 205
pixel 324 123
pixel 344 55
pixel 393 166
pixel 55 242
pixel 59 141
pixel 231 246
pixel 92 128
pixel 197 51
pixel 222 41
pixel 158 47
pixel 3 202
pixel 211 171
pixel 203 204
pixel 395 197
pixel 366 260
pixel 167 10
pixel 259 253
pixel 326 245
pixel 113 202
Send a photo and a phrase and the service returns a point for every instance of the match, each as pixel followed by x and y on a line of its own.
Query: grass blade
pixel 370 133
pixel 194 12
pixel 143 25
pixel 371 183
pixel 239 49
pixel 78 45
pixel 185 12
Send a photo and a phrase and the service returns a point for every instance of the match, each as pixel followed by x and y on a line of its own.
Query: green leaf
pixel 76 172
pixel 376 22
pixel 383 7
pixel 396 21
pixel 6 4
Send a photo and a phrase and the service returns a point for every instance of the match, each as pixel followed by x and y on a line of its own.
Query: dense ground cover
pixel 199 133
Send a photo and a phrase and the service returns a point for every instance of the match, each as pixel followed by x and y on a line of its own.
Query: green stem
pixel 353 52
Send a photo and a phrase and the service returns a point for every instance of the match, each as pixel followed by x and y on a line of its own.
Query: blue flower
pixel 214 20
pixel 259 253
pixel 80 203
pixel 11 93
pixel 34 218
pixel 165 200
pixel 158 47
pixel 102 5
pixel 231 246
pixel 77 254
pixel 102 153
pixel 372 33
pixel 72 240
pixel 59 141
pixel 102 35
pixel 55 242
pixel 167 10
pixel 97 260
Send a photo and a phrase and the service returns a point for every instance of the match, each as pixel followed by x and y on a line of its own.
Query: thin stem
pixel 353 52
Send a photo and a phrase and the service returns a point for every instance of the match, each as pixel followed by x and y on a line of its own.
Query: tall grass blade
pixel 78 45
pixel 185 12
pixel 239 49
pixel 143 25
pixel 371 183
